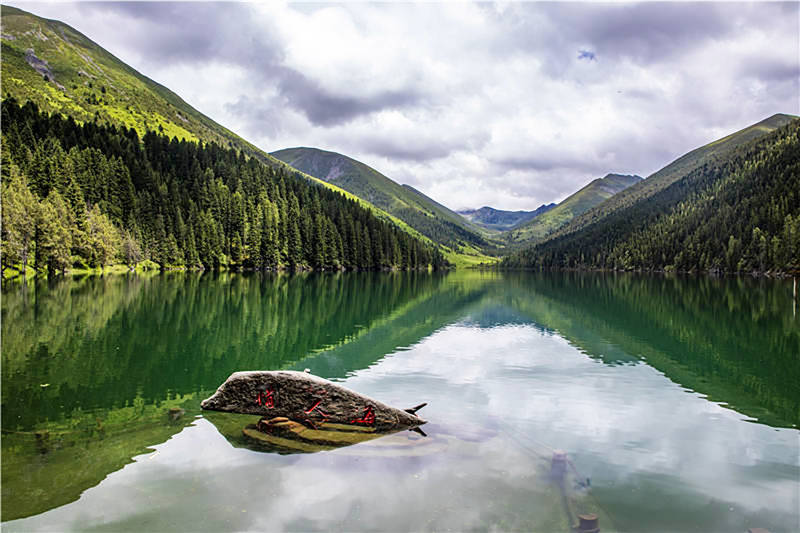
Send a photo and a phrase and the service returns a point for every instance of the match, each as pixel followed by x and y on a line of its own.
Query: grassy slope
pixel 593 194
pixel 463 239
pixel 367 183
pixel 95 83
pixel 87 82
pixel 675 171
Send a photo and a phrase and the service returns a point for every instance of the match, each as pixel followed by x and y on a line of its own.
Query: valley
pixel 65 74
pixel 569 231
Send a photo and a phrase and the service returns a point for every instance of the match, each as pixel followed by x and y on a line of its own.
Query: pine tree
pixel 181 203
pixel 53 234
pixel 130 250
pixel 20 215
pixel 102 236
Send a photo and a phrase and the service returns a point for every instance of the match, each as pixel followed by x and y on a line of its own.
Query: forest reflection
pixel 100 368
pixel 99 342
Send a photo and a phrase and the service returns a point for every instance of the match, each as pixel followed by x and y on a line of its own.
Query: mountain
pixel 730 206
pixel 430 218
pixel 100 158
pixel 705 155
pixel 593 194
pixel 497 219
pixel 62 71
pixel 90 195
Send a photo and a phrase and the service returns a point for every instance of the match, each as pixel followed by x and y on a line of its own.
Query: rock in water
pixel 306 398
pixel 285 436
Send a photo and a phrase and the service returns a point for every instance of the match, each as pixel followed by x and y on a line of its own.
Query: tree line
pixel 740 213
pixel 443 231
pixel 91 195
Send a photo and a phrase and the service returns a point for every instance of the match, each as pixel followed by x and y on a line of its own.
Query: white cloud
pixel 473 104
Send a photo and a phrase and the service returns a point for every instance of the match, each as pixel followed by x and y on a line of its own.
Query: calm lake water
pixel 676 401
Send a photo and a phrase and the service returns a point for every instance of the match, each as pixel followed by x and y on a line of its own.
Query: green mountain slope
pixel 430 218
pixel 591 195
pixel 497 219
pixel 705 155
pixel 63 71
pixel 738 211
pixel 91 195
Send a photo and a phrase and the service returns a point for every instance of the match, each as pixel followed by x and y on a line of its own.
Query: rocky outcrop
pixel 41 66
pixel 306 399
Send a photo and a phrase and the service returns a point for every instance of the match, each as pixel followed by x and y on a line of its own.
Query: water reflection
pixel 734 340
pixel 101 360
pixel 284 436
pixel 659 459
pixel 650 385
pixel 100 342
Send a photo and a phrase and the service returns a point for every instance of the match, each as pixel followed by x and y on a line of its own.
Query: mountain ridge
pixel 499 219
pixel 93 84
pixel 78 91
pixel 676 169
pixel 590 195
pixel 419 211
pixel 732 205
pixel 90 71
pixel 64 72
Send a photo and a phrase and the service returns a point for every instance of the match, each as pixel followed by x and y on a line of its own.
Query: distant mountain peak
pixel 498 219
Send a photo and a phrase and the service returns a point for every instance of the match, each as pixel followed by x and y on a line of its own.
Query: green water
pixel 678 398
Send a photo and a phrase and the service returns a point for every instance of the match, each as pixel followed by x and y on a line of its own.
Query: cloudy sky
pixel 508 105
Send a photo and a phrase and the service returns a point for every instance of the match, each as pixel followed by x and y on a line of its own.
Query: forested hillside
pixel 593 194
pixel 62 71
pixel 706 155
pixel 737 213
pixel 425 215
pixel 90 194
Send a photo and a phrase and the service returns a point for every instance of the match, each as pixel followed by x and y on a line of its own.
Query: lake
pixel 676 402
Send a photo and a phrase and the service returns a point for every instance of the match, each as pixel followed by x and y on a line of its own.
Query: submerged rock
pixel 284 436
pixel 307 399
